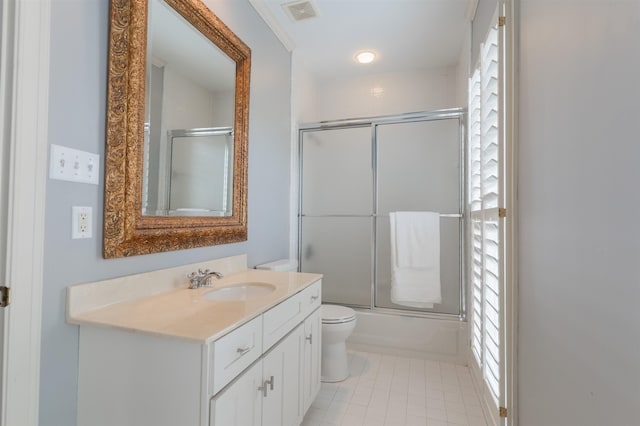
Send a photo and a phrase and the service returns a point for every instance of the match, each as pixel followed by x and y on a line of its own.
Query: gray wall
pixel 77 119
pixel 579 281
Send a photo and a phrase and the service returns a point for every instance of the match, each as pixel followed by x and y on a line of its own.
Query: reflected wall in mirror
pixel 190 93
pixel 177 127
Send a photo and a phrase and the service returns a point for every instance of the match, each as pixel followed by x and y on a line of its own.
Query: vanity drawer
pixel 311 298
pixel 281 319
pixel 234 352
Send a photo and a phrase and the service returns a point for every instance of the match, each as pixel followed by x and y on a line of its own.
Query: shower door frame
pixel 373 123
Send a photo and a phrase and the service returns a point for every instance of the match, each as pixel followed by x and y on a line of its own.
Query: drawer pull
pixel 263 388
pixel 310 338
pixel 314 298
pixel 243 351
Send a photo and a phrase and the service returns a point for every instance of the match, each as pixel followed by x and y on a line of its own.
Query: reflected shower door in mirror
pixel 194 177
pixel 191 86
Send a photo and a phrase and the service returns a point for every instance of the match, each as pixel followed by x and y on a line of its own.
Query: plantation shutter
pixel 485 180
pixel 475 203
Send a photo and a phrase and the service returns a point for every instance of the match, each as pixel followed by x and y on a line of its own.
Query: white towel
pixel 415 259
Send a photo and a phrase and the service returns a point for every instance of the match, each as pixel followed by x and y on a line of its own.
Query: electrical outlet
pixel 81 222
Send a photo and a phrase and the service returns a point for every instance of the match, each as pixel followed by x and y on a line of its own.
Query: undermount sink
pixel 239 292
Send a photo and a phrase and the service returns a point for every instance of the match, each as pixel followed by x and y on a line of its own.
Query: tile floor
pixel 387 390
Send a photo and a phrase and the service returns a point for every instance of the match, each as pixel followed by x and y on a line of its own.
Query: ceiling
pixel 405 34
pixel 175 42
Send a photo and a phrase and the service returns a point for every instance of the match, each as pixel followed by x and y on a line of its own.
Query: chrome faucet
pixel 202 278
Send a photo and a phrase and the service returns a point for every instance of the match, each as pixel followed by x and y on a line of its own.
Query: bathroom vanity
pixel 245 351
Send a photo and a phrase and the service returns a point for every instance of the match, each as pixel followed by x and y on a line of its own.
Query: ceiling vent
pixel 300 10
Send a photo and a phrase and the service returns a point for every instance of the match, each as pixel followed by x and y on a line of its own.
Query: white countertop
pixel 184 313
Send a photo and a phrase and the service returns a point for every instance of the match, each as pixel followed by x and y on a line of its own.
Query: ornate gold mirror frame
pixel 127 231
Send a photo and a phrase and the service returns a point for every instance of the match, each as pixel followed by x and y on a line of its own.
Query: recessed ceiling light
pixel 365 57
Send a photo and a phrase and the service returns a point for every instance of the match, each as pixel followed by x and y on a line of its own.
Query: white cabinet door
pixel 311 358
pixel 241 403
pixel 281 369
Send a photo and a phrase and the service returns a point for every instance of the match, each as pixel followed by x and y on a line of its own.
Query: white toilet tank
pixel 283 265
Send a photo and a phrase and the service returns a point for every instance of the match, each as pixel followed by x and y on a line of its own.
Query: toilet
pixel 338 323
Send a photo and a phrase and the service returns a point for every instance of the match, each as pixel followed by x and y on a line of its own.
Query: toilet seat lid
pixel 332 314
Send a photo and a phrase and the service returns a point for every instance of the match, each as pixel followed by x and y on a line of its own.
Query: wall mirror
pixel 177 129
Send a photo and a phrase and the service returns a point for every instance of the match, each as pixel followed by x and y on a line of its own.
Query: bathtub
pixel 437 339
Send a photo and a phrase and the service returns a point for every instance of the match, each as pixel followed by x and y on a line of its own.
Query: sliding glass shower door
pixel 352 176
pixel 418 169
pixel 337 212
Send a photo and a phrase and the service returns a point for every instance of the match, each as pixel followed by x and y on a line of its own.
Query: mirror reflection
pixel 189 118
pixel 201 170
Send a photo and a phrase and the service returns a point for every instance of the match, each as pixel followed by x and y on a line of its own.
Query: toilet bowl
pixel 338 323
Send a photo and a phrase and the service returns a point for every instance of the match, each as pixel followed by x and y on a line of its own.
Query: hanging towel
pixel 415 259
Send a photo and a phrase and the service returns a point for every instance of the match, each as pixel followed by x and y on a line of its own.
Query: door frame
pixel 511 13
pixel 24 103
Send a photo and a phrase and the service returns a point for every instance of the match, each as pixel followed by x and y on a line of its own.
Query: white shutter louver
pixel 475 204
pixel 484 199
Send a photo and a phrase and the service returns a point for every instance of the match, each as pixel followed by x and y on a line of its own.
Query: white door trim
pixel 26 30
pixel 511 235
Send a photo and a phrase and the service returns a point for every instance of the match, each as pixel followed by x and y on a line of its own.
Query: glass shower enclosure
pixel 353 173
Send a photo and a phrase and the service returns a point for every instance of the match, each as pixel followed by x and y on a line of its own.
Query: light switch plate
pixel 74 165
